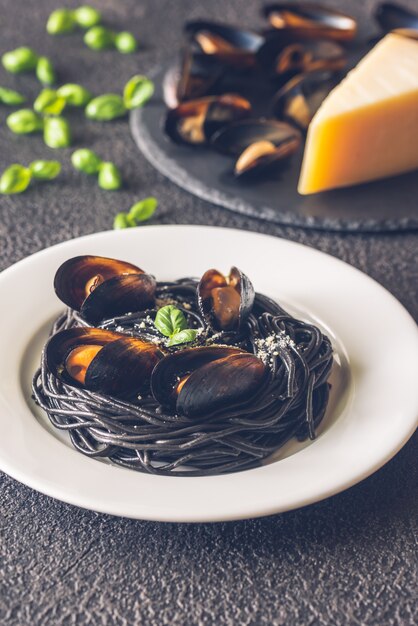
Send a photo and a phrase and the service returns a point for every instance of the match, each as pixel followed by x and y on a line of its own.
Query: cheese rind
pixel 367 127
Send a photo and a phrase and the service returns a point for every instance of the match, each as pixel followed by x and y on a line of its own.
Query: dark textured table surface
pixel 348 560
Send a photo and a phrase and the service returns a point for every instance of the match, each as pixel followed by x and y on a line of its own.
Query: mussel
pixel 392 16
pixel 310 21
pixel 311 56
pixel 261 155
pixel 225 301
pixel 299 99
pixel 258 143
pixel 198 382
pixel 99 287
pixel 195 121
pixel 232 46
pixel 101 360
pixel 197 75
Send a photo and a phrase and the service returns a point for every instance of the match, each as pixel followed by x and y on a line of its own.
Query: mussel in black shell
pixel 195 121
pixel 300 98
pixel 306 20
pixel 196 76
pixel 225 301
pixel 233 46
pixel 310 56
pixel 100 288
pixel 258 144
pixel 198 382
pixel 392 16
pixel 101 360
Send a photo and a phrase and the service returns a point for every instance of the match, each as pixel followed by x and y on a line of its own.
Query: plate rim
pixel 150 514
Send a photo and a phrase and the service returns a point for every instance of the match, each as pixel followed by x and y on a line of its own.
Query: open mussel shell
pixel 233 46
pixel 310 21
pixel 197 75
pixel 258 143
pixel 195 121
pixel 310 56
pixel 119 295
pixel 391 16
pixel 77 278
pixel 225 301
pixel 101 288
pixel 261 156
pixel 236 137
pixel 101 360
pixel 197 382
pixel 300 98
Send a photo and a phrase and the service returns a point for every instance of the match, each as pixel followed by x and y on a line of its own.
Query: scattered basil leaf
pixel 86 161
pixel 57 132
pixel 87 16
pixel 15 179
pixel 132 223
pixel 125 42
pixel 170 320
pixel 45 72
pixel 24 121
pixel 74 95
pixel 45 170
pixel 49 103
pixel 137 91
pixel 61 21
pixel 109 176
pixel 20 60
pixel 99 38
pixel 121 221
pixel 184 336
pixel 11 97
pixel 143 210
pixel 105 108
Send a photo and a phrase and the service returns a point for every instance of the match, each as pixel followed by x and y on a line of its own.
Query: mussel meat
pixel 261 155
pixel 225 301
pixel 300 98
pixel 258 144
pixel 310 21
pixel 392 16
pixel 195 121
pixel 233 46
pixel 101 360
pixel 198 382
pixel 99 287
pixel 311 56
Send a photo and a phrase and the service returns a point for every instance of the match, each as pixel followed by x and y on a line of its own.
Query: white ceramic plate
pixel 373 409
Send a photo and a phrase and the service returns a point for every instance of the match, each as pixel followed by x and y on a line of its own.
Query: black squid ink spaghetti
pixel 186 378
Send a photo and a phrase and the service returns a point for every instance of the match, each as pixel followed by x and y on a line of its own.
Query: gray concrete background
pixel 348 560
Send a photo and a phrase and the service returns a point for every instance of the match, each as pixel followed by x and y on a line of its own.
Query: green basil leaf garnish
pixel 183 336
pixel 170 320
pixel 143 210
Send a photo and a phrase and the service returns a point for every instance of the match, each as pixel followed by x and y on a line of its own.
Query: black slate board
pixel 386 205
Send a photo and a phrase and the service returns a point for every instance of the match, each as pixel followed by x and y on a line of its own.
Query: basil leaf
pixel 49 103
pixel 183 336
pixel 11 97
pixel 137 91
pixel 45 170
pixel 170 320
pixel 143 210
pixel 15 179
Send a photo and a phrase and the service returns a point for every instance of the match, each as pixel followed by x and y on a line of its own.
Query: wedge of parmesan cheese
pixel 367 127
